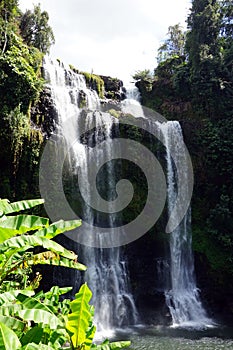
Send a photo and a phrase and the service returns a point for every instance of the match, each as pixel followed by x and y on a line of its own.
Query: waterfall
pixel 182 297
pixel 107 274
pixel 132 103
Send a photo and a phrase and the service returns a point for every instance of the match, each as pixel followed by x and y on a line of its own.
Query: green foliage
pixel 8 338
pixel 197 88
pixel 94 82
pixel 20 87
pixel 75 70
pixel 142 75
pixel 42 320
pixel 32 320
pixel 115 113
pixel 19 77
pixel 8 24
pixel 15 225
pixel 16 258
pixel 167 69
pixel 7 208
pixel 35 29
pixel 80 319
pixel 203 47
pixel 80 324
pixel 174 45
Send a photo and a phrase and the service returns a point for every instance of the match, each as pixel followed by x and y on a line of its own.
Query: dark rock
pixel 113 88
pixel 44 113
pixel 112 84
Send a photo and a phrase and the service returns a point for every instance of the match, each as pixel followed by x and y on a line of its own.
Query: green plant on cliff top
pixel 94 82
pixel 19 76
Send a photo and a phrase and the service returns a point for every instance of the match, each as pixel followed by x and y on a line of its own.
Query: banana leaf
pixel 8 338
pixel 14 225
pixel 13 323
pixel 80 318
pixel 6 207
pixel 10 296
pixel 58 227
pixel 51 258
pixel 25 242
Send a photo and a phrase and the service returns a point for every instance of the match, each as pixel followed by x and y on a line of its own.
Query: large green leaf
pixel 25 242
pixel 31 309
pixel 90 336
pixel 38 335
pixel 55 290
pixel 14 225
pixel 8 339
pixel 58 338
pixel 10 296
pixel 31 303
pixel 53 294
pixel 13 323
pixel 33 335
pixel 80 318
pixel 10 309
pixel 58 227
pixel 34 310
pixel 6 207
pixel 52 300
pixel 40 316
pixel 50 258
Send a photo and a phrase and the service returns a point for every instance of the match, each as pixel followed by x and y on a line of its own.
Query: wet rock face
pixel 112 84
pixel 113 88
pixel 44 113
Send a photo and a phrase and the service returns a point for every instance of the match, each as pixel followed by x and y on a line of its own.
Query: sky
pixel 107 37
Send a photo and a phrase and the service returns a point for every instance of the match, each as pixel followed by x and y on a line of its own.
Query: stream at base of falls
pixel 165 338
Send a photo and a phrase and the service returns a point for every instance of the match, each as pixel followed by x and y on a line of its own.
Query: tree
pixel 142 75
pixel 226 36
pixel 8 12
pixel 204 23
pixel 35 29
pixel 227 18
pixel 174 45
pixel 20 86
pixel 204 55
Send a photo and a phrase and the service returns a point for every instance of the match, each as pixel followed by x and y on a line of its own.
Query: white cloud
pixel 111 37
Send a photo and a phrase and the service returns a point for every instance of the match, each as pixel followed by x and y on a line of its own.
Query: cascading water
pixel 177 278
pixel 132 103
pixel 183 296
pixel 107 274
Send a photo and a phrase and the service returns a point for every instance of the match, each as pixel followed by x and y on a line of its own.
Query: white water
pixel 182 297
pixel 107 274
pixel 132 103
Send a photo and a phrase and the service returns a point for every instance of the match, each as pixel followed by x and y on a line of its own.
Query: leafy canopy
pixel 35 29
